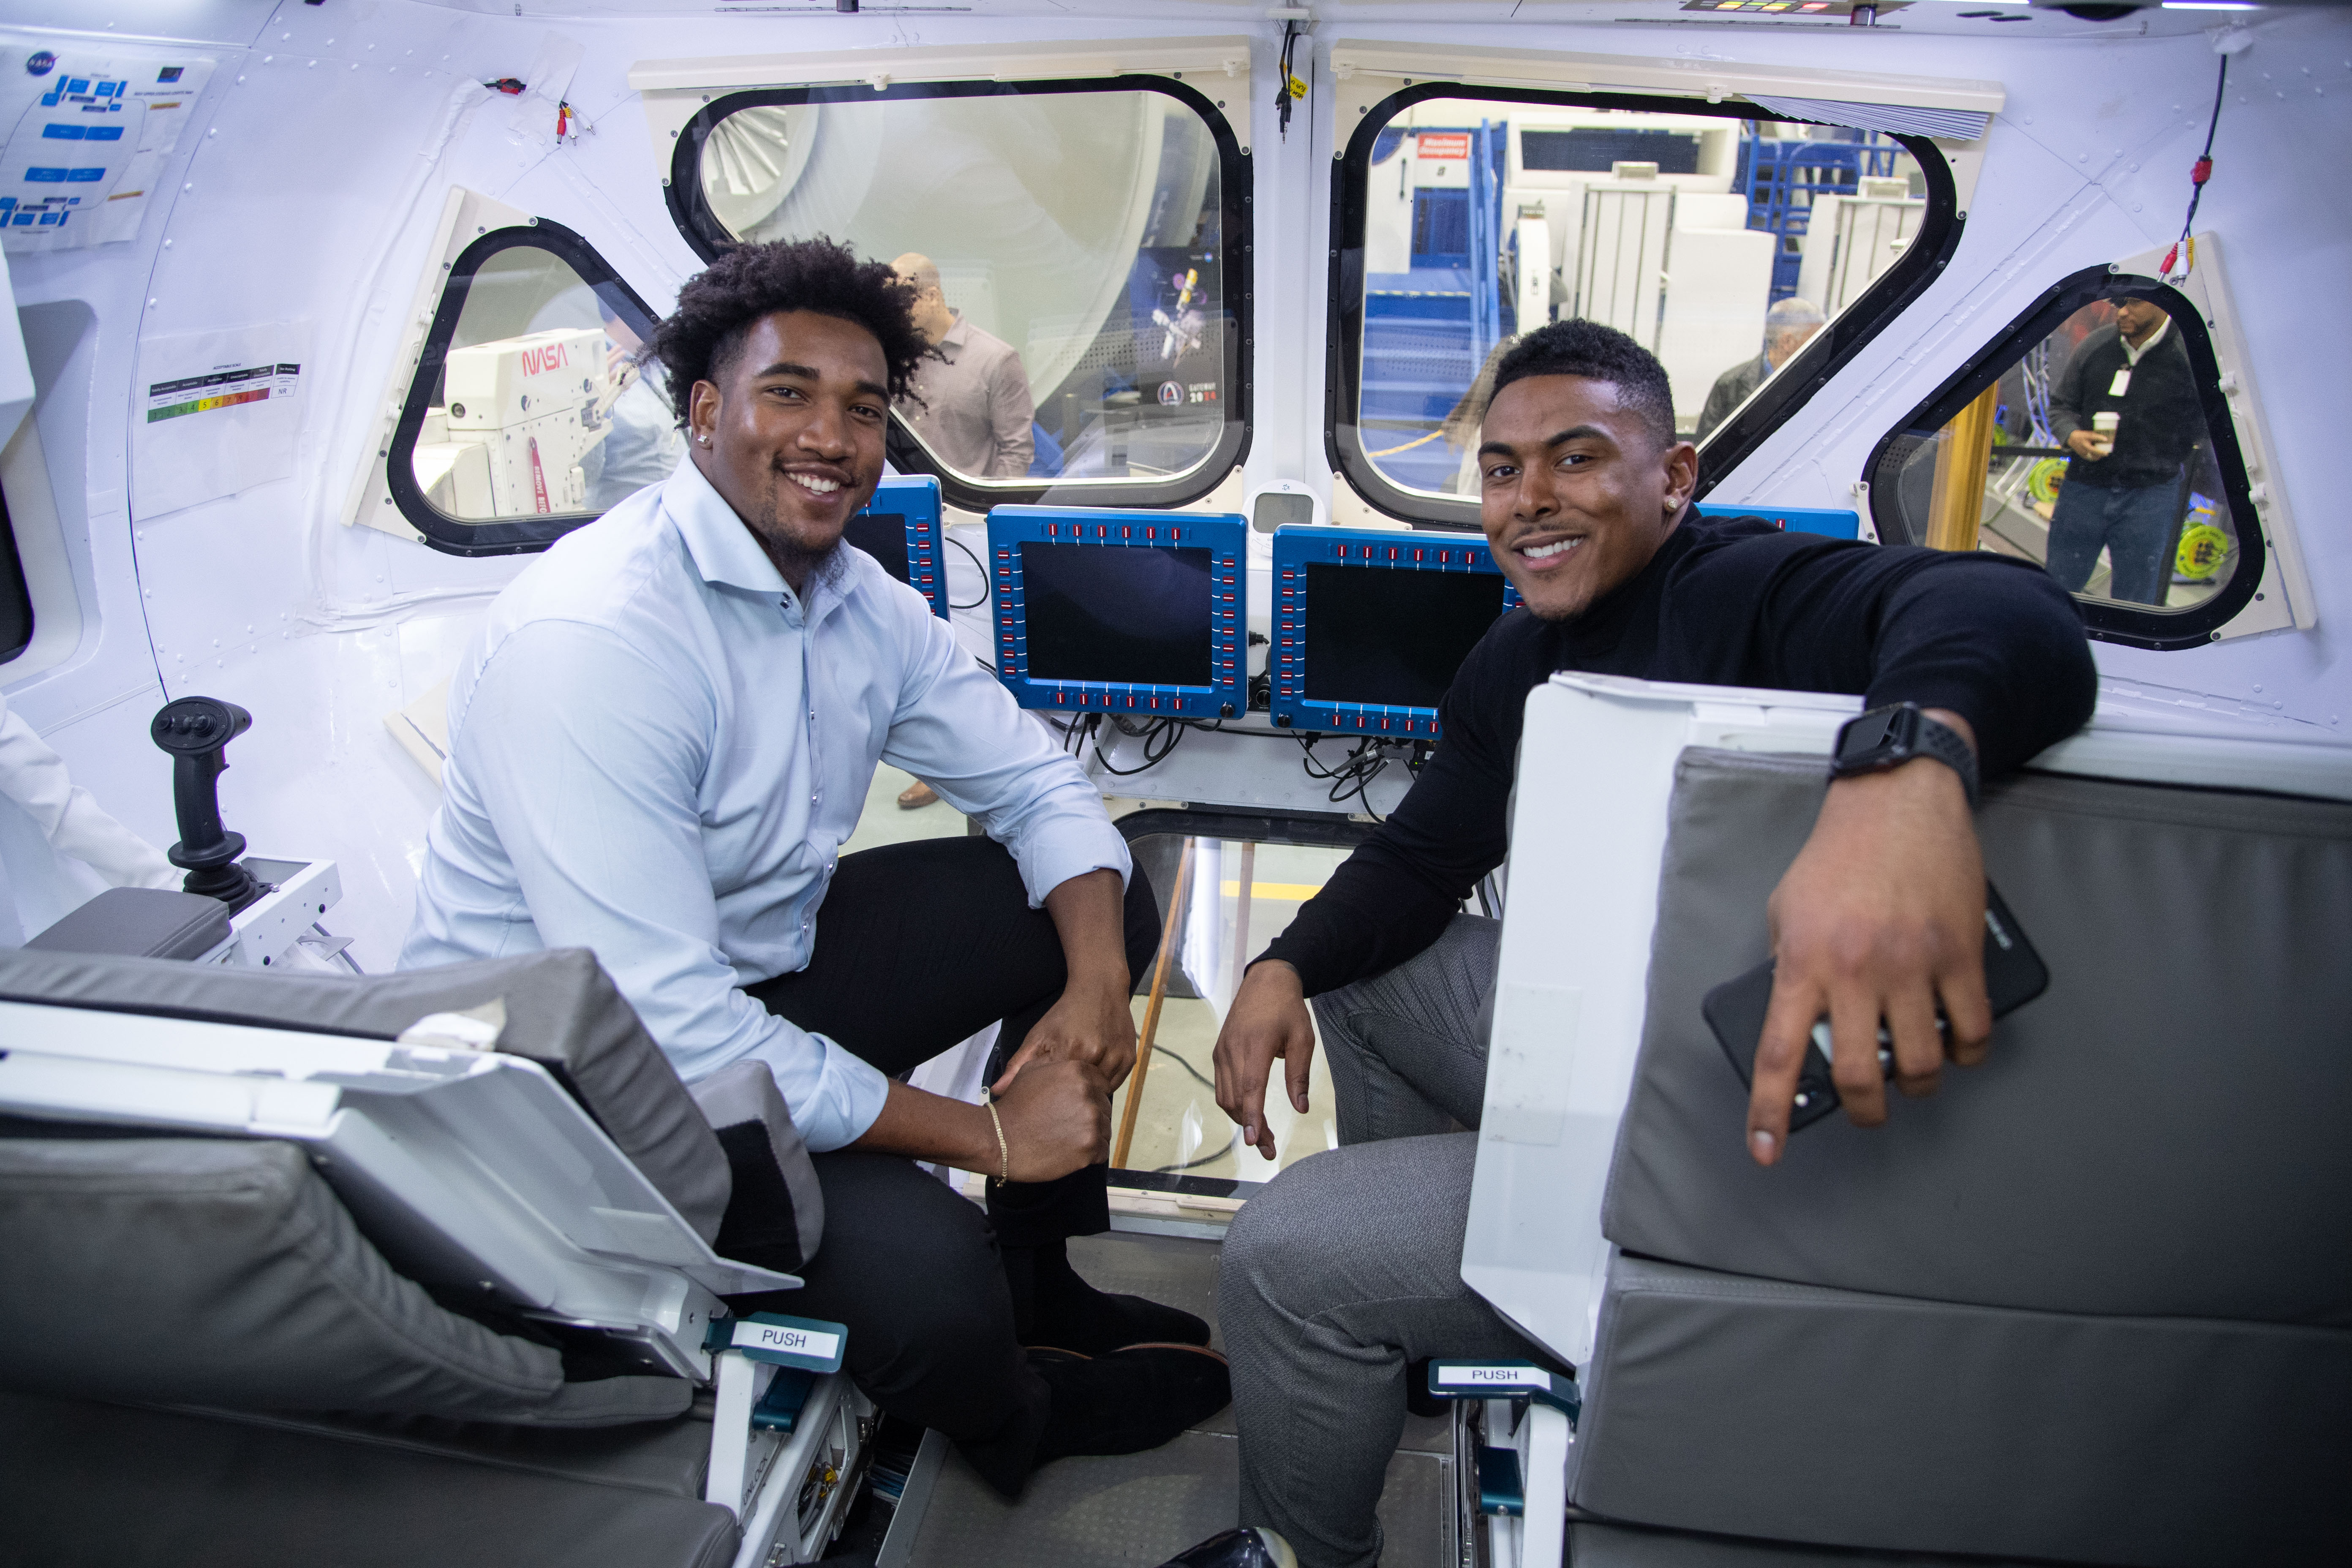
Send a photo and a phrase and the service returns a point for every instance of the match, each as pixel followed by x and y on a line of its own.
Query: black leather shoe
pixel 1237 1549
pixel 1128 1401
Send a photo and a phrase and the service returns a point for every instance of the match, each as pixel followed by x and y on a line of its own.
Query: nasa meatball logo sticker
pixel 40 64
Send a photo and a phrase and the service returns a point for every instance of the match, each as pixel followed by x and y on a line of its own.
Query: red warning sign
pixel 1454 145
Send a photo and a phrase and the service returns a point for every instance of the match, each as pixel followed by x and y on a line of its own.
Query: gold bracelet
pixel 1003 1149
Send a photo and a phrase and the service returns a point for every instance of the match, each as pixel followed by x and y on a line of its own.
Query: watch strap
pixel 1910 733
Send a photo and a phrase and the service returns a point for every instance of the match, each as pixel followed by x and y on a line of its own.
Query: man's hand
pixel 1093 1024
pixel 1268 1019
pixel 1056 1119
pixel 1880 917
pixel 2088 446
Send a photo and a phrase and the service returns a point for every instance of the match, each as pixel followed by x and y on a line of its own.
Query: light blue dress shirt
pixel 657 749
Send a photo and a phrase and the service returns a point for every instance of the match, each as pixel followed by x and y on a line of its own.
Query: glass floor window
pixel 1236 898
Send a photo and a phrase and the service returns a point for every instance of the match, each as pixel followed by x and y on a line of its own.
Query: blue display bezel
pixel 1222 535
pixel 1829 521
pixel 1295 550
pixel 916 498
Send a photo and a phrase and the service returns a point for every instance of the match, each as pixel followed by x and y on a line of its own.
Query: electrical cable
pixel 1288 87
pixel 2198 172
pixel 977 566
pixel 1232 1145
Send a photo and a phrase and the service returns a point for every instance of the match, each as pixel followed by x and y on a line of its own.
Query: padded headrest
pixel 225 1272
pixel 2160 1134
pixel 561 1010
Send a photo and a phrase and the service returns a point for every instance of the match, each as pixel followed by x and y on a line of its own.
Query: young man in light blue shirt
pixel 659 740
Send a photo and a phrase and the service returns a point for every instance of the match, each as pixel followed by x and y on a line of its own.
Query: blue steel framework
pixel 916 498
pixel 1295 550
pixel 1222 535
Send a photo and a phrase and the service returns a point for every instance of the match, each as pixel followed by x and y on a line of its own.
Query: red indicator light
pixel 1049 530
pixel 1393 552
pixel 1126 533
pixel 1416 555
pixel 1151 533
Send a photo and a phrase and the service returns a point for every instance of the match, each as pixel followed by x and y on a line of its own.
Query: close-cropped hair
pixel 700 340
pixel 1588 349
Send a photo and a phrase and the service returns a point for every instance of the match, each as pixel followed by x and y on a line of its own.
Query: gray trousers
pixel 1347 1267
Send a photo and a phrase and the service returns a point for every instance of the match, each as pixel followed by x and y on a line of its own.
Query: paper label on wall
pixel 87 132
pixel 1450 145
pixel 219 414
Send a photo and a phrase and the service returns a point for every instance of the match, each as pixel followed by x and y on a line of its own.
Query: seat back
pixel 298 1174
pixel 224 1272
pixel 2091 1302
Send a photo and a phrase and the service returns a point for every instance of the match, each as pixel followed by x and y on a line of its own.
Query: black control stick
pixel 196 730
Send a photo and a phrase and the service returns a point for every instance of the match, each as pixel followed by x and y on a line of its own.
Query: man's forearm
pixel 1089 913
pixel 924 1126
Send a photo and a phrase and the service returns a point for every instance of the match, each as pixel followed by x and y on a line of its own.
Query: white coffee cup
pixel 2102 426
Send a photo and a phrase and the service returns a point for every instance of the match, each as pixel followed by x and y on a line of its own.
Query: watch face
pixel 1868 733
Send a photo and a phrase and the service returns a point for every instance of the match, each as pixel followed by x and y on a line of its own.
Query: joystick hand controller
pixel 197 731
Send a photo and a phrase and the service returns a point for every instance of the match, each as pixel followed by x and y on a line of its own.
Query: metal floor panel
pixel 1137 1510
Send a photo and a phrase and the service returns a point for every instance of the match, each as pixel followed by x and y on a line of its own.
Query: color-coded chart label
pixel 220 389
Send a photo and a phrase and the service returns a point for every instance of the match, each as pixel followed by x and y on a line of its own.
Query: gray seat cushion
pixel 1592 1544
pixel 561 1010
pixel 226 1271
pixel 85 1485
pixel 1751 1407
pixel 2161 1134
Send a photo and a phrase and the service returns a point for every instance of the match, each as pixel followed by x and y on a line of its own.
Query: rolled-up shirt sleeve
pixel 587 760
pixel 960 731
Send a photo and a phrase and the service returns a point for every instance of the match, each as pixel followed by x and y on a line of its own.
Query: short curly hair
pixel 1578 347
pixel 697 341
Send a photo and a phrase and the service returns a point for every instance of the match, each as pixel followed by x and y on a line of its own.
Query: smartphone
pixel 2014 975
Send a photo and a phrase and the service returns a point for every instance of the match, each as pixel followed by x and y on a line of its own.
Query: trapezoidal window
pixel 1076 249
pixel 530 413
pixel 2094 439
pixel 1751 255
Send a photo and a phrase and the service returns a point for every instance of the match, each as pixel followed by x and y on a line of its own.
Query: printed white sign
pixel 88 132
pixel 785 1341
pixel 219 412
pixel 1491 1377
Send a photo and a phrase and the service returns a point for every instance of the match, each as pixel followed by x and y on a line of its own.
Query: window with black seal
pixel 531 411
pixel 1753 254
pixel 1080 251
pixel 2094 439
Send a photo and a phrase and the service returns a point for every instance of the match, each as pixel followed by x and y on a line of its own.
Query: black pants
pixel 918 946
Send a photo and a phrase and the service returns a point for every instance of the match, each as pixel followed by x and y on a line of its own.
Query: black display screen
pixel 882 535
pixel 1111 613
pixel 1389 638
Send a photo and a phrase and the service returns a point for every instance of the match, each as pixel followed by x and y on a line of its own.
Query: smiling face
pixel 792 434
pixel 1577 492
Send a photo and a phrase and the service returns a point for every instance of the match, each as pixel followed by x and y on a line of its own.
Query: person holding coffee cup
pixel 2126 407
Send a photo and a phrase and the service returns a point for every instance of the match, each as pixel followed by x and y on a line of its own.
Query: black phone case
pixel 2014 975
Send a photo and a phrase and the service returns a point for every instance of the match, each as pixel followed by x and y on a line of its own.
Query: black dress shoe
pixel 1237 1549
pixel 1128 1401
pixel 1052 1307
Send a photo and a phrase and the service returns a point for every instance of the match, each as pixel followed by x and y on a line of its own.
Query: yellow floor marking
pixel 1286 893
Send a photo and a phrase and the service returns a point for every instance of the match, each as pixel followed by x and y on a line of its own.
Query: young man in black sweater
pixel 1347 1267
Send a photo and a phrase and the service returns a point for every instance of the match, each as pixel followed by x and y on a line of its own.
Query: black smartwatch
pixel 1888 737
